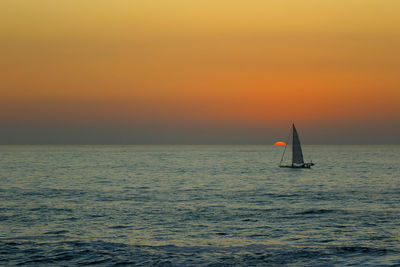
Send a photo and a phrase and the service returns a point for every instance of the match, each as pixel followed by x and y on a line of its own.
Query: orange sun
pixel 280 143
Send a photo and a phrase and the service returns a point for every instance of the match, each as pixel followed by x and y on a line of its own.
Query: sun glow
pixel 279 143
pixel 199 70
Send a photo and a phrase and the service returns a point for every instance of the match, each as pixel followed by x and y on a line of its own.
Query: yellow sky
pixel 240 62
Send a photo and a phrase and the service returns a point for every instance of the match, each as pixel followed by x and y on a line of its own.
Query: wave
pixel 319 211
pixel 19 252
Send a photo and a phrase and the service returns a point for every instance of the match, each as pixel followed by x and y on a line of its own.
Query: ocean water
pixel 198 205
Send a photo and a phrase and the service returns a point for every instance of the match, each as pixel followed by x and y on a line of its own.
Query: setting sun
pixel 280 143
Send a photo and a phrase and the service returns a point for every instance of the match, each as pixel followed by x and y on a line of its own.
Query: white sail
pixel 297 154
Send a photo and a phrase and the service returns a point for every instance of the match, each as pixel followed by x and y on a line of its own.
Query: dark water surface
pixel 198 205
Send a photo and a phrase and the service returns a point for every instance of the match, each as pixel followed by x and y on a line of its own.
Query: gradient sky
pixel 199 72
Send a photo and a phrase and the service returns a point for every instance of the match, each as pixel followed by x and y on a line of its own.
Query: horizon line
pixel 188 144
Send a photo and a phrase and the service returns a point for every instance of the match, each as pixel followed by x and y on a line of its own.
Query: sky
pixel 199 72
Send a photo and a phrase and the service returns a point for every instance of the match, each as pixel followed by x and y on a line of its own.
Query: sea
pixel 198 206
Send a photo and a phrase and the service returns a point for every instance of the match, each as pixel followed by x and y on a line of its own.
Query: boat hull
pixel 303 166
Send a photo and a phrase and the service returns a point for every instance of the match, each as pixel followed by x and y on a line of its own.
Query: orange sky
pixel 254 64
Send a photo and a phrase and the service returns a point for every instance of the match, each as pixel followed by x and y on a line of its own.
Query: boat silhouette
pixel 297 153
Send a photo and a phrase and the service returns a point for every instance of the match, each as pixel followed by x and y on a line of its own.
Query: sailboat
pixel 297 154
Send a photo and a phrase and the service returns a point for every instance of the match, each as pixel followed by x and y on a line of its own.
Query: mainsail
pixel 297 154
